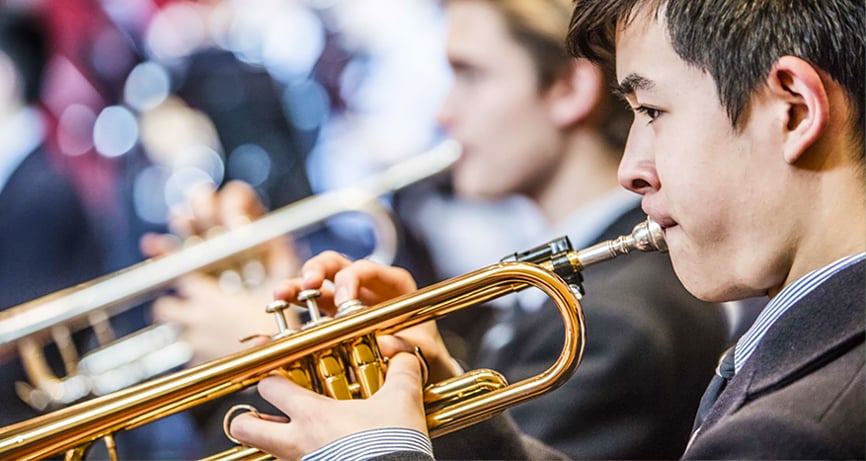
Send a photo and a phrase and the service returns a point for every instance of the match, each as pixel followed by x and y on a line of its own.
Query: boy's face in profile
pixel 720 193
pixel 494 107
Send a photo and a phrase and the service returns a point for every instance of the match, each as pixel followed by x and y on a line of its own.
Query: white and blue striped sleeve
pixel 376 442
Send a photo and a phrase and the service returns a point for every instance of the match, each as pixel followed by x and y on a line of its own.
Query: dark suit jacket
pixel 46 244
pixel 650 352
pixel 801 394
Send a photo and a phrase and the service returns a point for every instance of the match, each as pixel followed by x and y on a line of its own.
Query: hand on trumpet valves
pixel 340 281
pixel 315 420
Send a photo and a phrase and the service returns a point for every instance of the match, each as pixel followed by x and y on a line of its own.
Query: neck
pixel 588 171
pixel 836 220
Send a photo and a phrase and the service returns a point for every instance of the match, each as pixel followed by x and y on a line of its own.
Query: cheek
pixel 501 130
pixel 710 248
pixel 484 118
pixel 696 171
pixel 503 126
pixel 508 163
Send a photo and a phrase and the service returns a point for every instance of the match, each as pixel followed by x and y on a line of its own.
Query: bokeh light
pixel 115 131
pixel 147 86
pixel 75 129
pixel 250 163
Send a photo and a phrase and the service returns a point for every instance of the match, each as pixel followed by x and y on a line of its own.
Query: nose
pixel 637 171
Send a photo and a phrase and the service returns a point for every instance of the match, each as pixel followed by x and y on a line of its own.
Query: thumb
pixel 403 392
pixel 390 345
pixel 404 374
pixel 285 394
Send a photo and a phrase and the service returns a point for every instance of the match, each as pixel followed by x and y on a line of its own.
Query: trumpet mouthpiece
pixel 646 237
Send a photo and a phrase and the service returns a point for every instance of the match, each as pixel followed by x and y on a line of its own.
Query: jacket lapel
pixel 822 326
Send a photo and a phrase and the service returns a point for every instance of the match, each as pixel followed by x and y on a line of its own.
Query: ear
pixel 574 95
pixel 797 84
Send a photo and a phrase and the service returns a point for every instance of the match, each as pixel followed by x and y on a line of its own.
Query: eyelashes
pixel 648 112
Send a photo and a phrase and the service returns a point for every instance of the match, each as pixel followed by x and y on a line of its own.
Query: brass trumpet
pixel 119 363
pixel 450 405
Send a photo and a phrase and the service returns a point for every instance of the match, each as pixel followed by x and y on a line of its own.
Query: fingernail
pixel 425 366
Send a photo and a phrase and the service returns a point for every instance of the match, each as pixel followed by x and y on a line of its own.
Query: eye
pixel 465 72
pixel 650 112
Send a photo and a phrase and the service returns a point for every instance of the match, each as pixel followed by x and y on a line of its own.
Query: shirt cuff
pixel 375 442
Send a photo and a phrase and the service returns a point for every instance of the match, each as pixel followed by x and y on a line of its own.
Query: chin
pixel 710 287
pixel 474 190
pixel 699 280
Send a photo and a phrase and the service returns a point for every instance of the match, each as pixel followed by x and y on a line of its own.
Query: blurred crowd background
pixel 148 98
pixel 144 100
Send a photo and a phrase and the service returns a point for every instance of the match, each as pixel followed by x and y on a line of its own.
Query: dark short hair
pixel 23 38
pixel 737 41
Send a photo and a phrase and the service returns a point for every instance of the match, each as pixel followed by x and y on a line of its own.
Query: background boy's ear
pixel 798 86
pixel 575 94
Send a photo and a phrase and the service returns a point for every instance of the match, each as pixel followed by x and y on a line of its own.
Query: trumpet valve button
pixel 277 307
pixel 309 297
pixel 347 307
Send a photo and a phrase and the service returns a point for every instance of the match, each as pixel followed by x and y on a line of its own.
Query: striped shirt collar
pixel 786 298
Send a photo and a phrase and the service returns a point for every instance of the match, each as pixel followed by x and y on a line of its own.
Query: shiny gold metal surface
pixel 450 405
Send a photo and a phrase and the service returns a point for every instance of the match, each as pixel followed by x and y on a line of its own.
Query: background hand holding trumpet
pixel 117 363
pixel 214 308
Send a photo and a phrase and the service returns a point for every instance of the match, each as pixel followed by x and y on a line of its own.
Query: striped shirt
pixel 786 298
pixel 376 442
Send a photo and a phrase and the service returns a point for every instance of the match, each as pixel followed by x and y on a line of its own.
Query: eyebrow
pixel 632 82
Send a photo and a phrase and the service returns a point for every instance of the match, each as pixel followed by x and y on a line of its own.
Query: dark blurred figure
pixel 245 105
pixel 46 240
